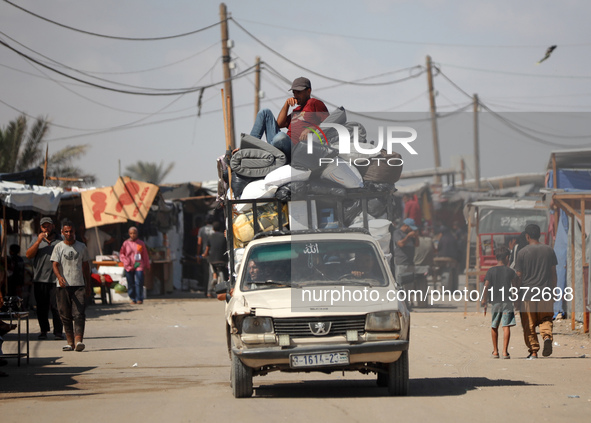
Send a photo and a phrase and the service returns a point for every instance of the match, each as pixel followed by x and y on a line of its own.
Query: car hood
pixel 286 302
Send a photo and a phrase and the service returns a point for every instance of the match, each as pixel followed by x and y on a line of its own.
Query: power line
pixel 172 92
pixel 517 128
pixel 421 43
pixel 168 37
pixel 86 74
pixel 156 67
pixel 528 75
pixel 317 73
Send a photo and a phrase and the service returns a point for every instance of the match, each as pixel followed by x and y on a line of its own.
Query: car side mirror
pixel 222 291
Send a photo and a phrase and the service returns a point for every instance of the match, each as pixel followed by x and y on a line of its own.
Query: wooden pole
pixel 4 280
pixel 229 146
pixel 436 154
pixel 227 73
pixel 584 265
pixel 257 86
pixel 554 176
pixel 468 255
pixel 476 145
pixel 572 272
pixel 45 164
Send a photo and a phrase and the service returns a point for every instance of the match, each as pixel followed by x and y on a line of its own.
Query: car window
pixel 280 265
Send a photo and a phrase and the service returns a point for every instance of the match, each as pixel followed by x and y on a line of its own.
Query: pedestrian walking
pixel 497 288
pixel 536 269
pixel 72 271
pixel 136 260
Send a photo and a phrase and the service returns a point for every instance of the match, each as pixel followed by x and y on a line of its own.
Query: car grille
pixel 300 326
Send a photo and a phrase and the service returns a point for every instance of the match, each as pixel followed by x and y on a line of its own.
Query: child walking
pixel 497 291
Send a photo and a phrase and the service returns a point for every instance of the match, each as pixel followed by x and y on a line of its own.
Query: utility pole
pixel 257 86
pixel 227 73
pixel 433 120
pixel 476 145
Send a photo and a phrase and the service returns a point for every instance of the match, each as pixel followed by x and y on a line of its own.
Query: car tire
pixel 398 377
pixel 241 378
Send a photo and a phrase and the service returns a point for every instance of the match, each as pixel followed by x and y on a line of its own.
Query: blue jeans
pixel 135 284
pixel 266 124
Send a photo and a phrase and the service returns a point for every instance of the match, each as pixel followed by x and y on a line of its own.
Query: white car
pixel 317 302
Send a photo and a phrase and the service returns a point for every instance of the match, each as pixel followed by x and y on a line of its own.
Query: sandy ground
pixel 166 360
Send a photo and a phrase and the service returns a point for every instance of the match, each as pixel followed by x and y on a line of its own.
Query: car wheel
pixel 241 378
pixel 398 379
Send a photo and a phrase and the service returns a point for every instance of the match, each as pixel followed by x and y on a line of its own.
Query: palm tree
pixel 22 149
pixel 148 172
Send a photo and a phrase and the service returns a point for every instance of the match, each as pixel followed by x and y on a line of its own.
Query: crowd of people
pixel 61 271
pixel 60 279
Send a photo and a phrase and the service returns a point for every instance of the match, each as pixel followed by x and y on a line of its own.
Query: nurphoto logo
pixel 387 139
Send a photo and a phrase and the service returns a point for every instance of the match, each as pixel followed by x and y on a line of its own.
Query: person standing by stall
pixel 44 279
pixel 72 271
pixel 135 258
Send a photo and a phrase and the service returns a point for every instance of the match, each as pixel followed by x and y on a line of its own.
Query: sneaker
pixel 67 348
pixel 42 335
pixel 531 357
pixel 80 346
pixel 547 351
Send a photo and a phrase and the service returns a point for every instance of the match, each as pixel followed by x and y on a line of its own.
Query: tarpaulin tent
pixel 36 198
pixel 18 198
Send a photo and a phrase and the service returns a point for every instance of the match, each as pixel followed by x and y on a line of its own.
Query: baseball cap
pixel 410 222
pixel 46 220
pixel 300 84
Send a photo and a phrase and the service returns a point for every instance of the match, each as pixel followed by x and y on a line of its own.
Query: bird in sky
pixel 548 53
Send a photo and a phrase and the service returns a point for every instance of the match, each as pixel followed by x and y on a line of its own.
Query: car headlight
pixel 255 324
pixel 382 321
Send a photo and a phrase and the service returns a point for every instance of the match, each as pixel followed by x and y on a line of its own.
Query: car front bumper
pixel 371 352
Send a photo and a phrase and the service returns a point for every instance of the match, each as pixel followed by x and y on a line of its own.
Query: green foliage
pixel 22 149
pixel 148 172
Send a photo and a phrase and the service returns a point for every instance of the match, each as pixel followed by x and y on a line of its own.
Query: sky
pixel 368 56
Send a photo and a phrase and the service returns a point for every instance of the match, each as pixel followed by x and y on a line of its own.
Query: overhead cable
pixel 317 73
pixel 112 36
pixel 172 92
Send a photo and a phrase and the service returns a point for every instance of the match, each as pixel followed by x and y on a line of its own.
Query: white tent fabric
pixel 30 197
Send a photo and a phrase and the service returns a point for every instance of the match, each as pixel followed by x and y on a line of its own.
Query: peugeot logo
pixel 320 328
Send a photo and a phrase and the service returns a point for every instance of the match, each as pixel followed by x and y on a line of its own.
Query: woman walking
pixel 134 255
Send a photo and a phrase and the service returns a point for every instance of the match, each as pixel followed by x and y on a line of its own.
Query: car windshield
pixel 281 265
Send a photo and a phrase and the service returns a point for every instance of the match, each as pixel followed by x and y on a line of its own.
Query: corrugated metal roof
pixel 571 159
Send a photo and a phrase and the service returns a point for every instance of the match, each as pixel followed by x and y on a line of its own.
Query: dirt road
pixel 166 361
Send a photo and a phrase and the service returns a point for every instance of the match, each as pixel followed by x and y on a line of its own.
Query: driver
pixel 365 266
pixel 255 272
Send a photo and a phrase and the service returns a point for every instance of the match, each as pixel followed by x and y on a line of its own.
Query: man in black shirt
pixel 44 279
pixel 536 268
pixel 215 252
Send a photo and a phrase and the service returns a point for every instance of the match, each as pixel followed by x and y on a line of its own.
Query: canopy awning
pixel 36 198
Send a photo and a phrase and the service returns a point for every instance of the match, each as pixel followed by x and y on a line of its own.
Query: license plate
pixel 318 360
